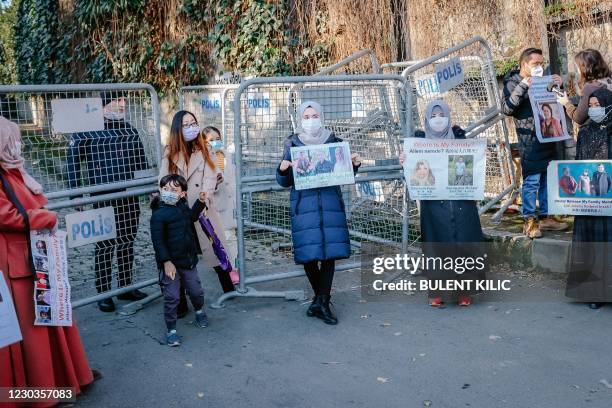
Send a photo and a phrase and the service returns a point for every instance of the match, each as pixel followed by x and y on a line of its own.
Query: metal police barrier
pixel 376 206
pixel 212 105
pixel 464 77
pixel 354 64
pixel 97 169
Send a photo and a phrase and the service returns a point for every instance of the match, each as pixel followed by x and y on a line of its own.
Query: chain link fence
pixel 87 157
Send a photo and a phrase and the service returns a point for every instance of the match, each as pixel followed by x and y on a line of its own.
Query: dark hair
pixel 175 180
pixel 109 96
pixel 547 106
pixel 592 66
pixel 527 52
pixel 178 146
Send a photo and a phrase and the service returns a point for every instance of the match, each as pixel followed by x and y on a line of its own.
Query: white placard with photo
pixel 580 187
pixel 445 169
pixel 322 165
pixel 548 115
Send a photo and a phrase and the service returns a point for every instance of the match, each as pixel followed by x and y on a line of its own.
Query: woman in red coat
pixel 47 356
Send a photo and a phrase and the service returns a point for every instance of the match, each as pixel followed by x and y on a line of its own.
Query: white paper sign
pixel 445 169
pixel 580 187
pixel 449 74
pixel 86 227
pixel 52 306
pixel 322 165
pixel 77 115
pixel 9 325
pixel 549 116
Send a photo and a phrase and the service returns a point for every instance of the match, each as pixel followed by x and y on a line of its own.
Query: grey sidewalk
pixel 267 353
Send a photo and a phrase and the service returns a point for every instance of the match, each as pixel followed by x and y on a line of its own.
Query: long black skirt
pixel 590 274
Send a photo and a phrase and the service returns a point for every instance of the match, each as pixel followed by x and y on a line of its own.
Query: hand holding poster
pixel 549 116
pixel 52 305
pixel 445 169
pixel 322 165
pixel 580 187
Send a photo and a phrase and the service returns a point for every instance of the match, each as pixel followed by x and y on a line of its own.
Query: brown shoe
pixel 549 224
pixel 531 229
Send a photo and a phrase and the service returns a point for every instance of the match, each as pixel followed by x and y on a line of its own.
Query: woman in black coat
pixel 590 275
pixel 318 220
pixel 446 221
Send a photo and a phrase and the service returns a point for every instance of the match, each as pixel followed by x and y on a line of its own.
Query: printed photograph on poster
pixel 41 248
pixel 445 169
pixel 52 289
pixel 43 314
pixel 9 325
pixel 580 187
pixel 549 116
pixel 41 263
pixel 460 170
pixel 322 165
pixel 42 280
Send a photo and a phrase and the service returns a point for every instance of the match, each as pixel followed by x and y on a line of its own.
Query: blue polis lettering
pixel 211 104
pixel 92 228
pixel 449 72
pixel 258 103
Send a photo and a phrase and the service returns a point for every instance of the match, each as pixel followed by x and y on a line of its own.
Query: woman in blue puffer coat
pixel 318 220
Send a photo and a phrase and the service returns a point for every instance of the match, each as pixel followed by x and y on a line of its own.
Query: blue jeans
pixel 534 187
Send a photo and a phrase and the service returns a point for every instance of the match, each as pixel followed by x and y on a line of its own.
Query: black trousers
pixel 127 216
pixel 320 276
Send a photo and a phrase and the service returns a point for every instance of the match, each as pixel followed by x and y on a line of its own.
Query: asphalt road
pixel 267 353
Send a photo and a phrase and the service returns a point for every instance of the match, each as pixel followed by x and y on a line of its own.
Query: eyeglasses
pixel 190 125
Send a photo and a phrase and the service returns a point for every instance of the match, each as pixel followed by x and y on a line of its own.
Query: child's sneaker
pixel 201 320
pixel 173 339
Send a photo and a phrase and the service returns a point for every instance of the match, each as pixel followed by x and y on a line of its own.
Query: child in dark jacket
pixel 176 251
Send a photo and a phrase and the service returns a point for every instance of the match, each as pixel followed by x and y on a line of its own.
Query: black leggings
pixel 320 277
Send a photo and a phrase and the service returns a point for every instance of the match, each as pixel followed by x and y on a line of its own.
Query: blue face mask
pixel 597 114
pixel 216 144
pixel 169 197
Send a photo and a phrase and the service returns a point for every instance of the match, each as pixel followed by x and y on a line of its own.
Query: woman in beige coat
pixel 188 154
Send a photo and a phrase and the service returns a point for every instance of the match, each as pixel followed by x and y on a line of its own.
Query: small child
pixel 176 250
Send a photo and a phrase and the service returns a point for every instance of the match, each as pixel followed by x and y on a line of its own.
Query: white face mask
pixel 438 123
pixel 537 71
pixel 311 126
pixel 190 133
pixel 110 115
pixel 597 114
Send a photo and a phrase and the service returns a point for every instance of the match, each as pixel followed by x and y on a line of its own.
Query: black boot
pixel 106 305
pixel 132 295
pixel 326 314
pixel 315 307
pixel 224 279
pixel 182 309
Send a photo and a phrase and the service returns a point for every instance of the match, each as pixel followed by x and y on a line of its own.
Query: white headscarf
pixel 322 135
pixel 447 133
pixel 10 153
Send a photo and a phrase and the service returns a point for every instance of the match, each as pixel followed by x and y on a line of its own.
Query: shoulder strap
pixel 26 220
